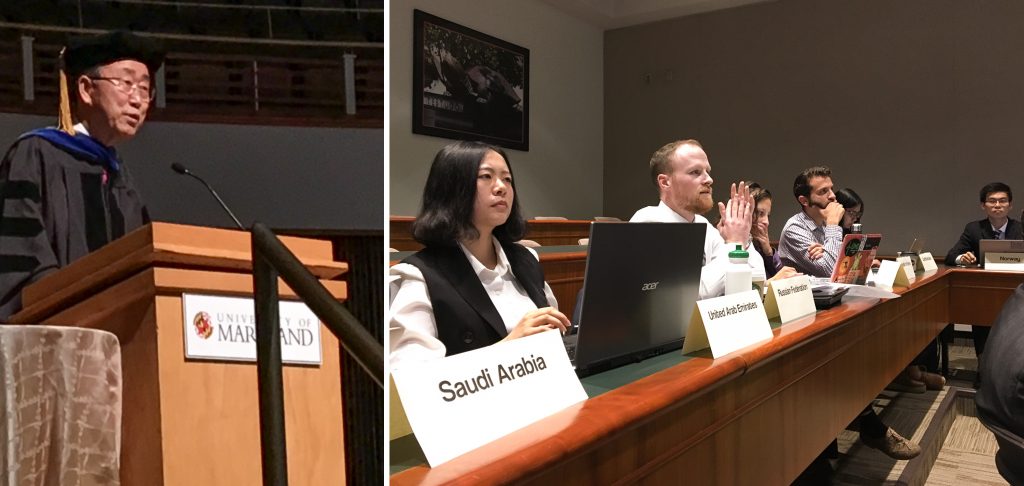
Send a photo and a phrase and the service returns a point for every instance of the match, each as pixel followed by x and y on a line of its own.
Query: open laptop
pixel 853 264
pixel 916 246
pixel 641 284
pixel 998 246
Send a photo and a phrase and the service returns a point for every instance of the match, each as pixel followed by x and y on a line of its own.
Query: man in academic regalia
pixel 64 191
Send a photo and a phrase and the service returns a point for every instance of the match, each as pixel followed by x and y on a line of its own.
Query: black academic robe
pixel 54 209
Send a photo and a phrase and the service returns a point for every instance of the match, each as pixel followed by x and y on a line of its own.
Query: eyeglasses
pixel 129 87
pixel 855 214
pixel 993 201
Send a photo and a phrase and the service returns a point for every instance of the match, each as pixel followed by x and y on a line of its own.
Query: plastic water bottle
pixel 738 275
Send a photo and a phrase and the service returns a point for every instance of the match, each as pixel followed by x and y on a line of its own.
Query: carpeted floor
pixel 966 456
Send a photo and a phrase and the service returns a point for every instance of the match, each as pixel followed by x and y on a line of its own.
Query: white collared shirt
pixel 716 251
pixel 413 331
pixel 1001 231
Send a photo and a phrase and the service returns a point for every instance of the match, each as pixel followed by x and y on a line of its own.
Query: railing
pixel 218 79
pixel 270 260
pixel 269 19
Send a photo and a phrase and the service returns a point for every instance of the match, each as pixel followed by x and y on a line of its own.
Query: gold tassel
pixel 65 122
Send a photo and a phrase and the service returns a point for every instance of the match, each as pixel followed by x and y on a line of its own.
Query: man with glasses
pixel 64 191
pixel 997 201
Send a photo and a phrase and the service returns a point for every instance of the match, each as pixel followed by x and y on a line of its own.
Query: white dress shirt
pixel 716 251
pixel 413 333
pixel 1001 231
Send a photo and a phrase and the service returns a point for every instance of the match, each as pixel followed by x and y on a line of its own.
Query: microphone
pixel 181 169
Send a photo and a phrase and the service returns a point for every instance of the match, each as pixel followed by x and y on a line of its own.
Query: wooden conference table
pixel 757 416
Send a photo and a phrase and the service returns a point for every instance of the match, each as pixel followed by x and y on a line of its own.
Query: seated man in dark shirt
pixel 64 192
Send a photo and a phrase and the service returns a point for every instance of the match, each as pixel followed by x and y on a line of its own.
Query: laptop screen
pixel 853 264
pixel 640 287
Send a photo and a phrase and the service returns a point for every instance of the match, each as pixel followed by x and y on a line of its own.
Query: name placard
pixel 462 402
pixel 789 298
pixel 906 276
pixel 926 262
pixel 224 328
pixel 727 323
pixel 886 275
pixel 1005 262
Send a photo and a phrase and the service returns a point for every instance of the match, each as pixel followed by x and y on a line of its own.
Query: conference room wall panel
pixel 561 174
pixel 914 104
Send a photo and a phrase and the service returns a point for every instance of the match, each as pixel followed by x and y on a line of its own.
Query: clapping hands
pixel 735 215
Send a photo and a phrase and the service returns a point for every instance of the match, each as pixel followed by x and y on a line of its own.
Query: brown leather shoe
pixel 932 381
pixel 893 445
pixel 904 383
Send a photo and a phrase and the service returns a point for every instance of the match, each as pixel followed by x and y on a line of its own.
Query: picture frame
pixel 468 85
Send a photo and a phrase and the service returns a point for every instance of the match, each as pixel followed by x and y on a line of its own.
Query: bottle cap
pixel 739 252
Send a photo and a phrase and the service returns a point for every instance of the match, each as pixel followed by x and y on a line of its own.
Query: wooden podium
pixel 189 421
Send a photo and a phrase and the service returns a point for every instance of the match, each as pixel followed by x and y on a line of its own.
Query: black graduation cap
pixel 83 53
pixel 86 52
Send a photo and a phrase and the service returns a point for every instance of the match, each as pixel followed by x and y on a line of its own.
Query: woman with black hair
pixel 854 207
pixel 472 285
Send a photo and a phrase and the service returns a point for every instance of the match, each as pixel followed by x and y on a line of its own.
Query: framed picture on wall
pixel 468 85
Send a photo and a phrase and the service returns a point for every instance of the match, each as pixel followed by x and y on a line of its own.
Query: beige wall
pixel 562 172
pixel 915 104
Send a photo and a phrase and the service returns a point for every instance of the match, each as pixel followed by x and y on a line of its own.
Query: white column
pixel 28 80
pixel 256 85
pixel 350 83
pixel 161 86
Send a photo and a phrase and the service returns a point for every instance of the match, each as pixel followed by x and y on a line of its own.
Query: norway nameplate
pixel 1004 262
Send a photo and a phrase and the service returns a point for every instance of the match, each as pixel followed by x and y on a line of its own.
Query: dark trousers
pixel 820 470
pixel 980 335
pixel 929 357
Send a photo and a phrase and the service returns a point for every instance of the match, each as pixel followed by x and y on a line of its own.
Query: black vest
pixel 466 318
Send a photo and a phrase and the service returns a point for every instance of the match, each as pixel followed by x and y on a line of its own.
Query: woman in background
pixel 854 207
pixel 759 234
pixel 472 285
